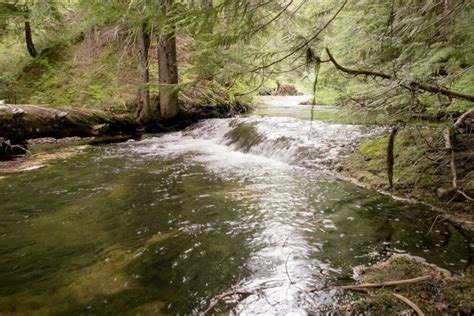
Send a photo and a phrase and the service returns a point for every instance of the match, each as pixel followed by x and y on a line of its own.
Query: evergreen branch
pixel 263 26
pixel 303 44
pixel 412 85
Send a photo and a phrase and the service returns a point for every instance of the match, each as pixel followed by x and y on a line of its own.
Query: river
pixel 163 224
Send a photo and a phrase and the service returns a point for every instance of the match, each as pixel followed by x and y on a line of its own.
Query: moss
pixel 416 174
pixel 438 296
pixel 213 96
pixel 244 136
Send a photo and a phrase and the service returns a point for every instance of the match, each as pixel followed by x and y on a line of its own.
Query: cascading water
pixel 164 224
pixel 285 139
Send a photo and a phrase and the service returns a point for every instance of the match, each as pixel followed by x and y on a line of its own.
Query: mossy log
pixel 25 121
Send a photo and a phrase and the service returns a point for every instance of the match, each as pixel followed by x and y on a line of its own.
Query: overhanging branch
pixel 413 85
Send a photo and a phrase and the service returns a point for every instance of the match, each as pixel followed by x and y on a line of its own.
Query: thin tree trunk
pixel 317 66
pixel 168 70
pixel 391 156
pixel 145 111
pixel 30 46
pixel 452 160
pixel 207 5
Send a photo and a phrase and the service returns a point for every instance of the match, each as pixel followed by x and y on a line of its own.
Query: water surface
pixel 164 224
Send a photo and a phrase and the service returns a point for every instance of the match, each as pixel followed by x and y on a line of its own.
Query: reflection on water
pixel 164 224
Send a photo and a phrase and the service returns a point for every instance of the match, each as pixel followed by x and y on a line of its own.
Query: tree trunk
pixel 168 70
pixel 317 66
pixel 206 5
pixel 146 110
pixel 30 46
pixel 391 156
pixel 448 5
pixel 21 122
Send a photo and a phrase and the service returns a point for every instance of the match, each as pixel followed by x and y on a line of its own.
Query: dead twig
pixel 222 296
pixel 409 303
pixel 385 284
pixel 465 195
pixel 432 225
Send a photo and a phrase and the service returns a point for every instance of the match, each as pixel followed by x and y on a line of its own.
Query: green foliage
pixel 248 46
pixel 424 41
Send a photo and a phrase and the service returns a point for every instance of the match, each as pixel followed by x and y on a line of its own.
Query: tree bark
pixel 391 156
pixel 21 122
pixel 317 67
pixel 30 46
pixel 168 69
pixel 146 111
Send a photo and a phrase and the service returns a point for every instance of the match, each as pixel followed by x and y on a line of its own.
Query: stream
pixel 164 224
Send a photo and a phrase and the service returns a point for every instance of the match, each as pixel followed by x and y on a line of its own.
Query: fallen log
pixel 20 122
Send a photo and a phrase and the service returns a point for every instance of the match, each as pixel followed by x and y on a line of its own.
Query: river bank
pixel 404 283
pixel 416 178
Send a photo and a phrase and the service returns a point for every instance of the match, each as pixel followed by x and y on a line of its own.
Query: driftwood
pixel 412 85
pixel 409 303
pixel 9 151
pixel 386 284
pixel 21 122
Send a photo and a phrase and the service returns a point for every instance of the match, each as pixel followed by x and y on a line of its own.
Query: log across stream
pixel 24 121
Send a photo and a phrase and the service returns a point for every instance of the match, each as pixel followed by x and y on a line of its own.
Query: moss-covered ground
pixel 421 171
pixel 443 294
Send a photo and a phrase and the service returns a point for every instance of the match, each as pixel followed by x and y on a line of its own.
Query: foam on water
pixel 264 140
